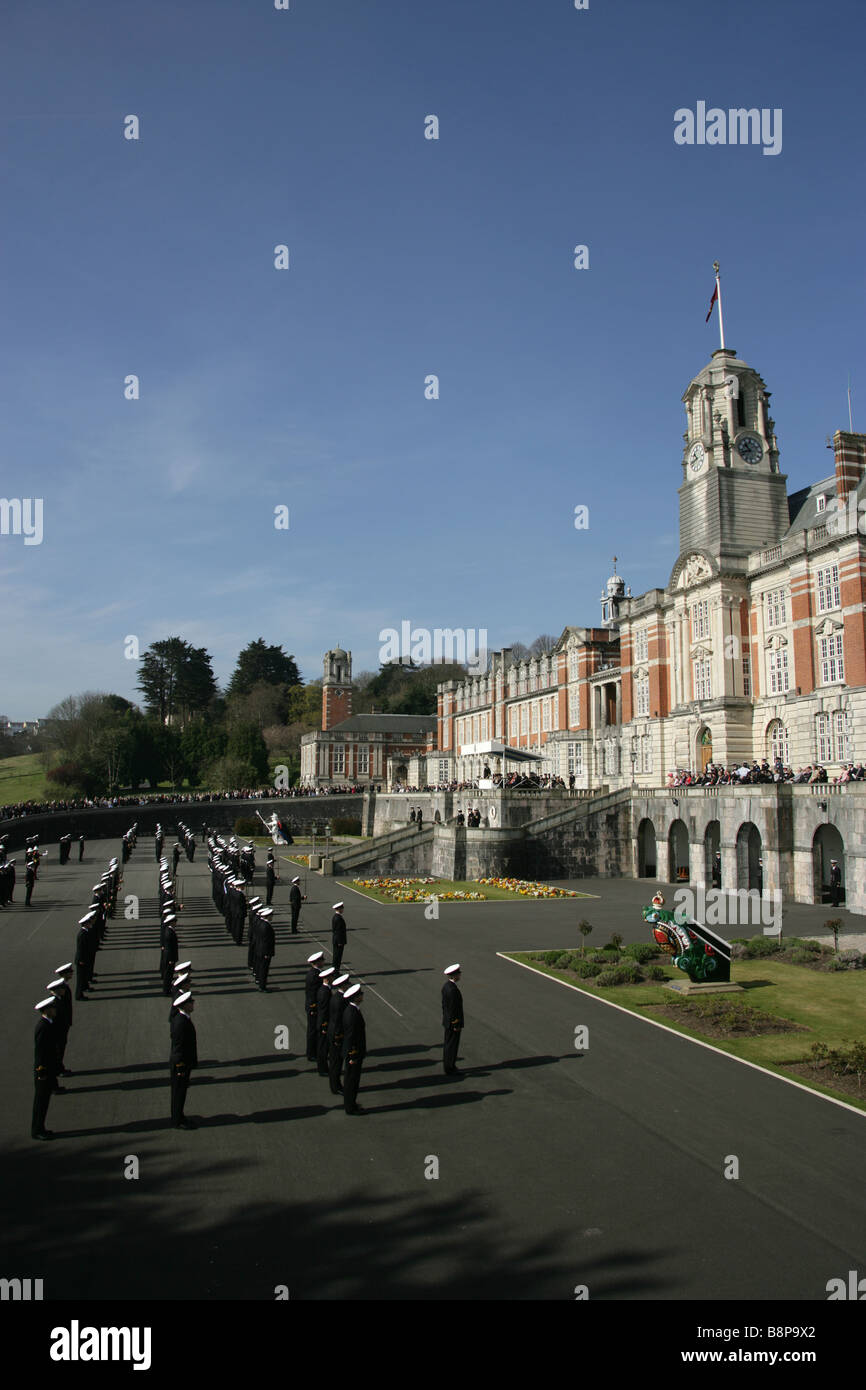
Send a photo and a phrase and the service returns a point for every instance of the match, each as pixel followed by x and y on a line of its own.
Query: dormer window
pixel 821 502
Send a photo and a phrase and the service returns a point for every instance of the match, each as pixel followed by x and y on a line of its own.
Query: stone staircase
pixel 369 854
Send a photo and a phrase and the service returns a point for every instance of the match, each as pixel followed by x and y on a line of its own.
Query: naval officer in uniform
pixel 452 1019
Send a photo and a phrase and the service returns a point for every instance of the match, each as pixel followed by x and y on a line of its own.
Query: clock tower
pixel 733 499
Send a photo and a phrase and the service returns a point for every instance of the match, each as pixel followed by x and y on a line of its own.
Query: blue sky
pixel 408 256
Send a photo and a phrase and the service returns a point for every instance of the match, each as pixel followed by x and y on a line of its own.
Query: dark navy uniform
pixel 184 1056
pixel 338 940
pixel 44 1074
pixel 452 1022
pixel 354 1052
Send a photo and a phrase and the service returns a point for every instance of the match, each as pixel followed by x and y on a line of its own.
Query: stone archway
pixel 647 851
pixel 678 853
pixel 712 847
pixel 827 844
pixel 749 867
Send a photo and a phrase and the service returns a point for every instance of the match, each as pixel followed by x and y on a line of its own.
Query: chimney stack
pixel 850 452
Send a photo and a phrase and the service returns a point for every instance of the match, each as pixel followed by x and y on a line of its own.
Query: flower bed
pixel 526 889
pixel 414 890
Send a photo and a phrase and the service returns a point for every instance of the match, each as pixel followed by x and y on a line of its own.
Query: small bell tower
pixel 336 687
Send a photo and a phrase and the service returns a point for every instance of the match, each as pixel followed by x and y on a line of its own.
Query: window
pixel 575 759
pixel 747 676
pixel 363 759
pixel 777 745
pixel 524 719
pixel 641 646
pixel 822 502
pixel 828 588
pixel 573 672
pixel 339 759
pixel 832 739
pixel 641 695
pixel 702 678
pixel 515 720
pixel 832 662
pixel 444 770
pixel 700 619
pixel 774 608
pixel 611 756
pixel 777 671
pixel 573 708
pixel 546 715
pixel 535 716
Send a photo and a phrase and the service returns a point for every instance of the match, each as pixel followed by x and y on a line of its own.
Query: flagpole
pixel 850 415
pixel 719 297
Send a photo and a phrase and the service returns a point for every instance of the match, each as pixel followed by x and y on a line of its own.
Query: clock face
pixel 750 449
pixel 696 457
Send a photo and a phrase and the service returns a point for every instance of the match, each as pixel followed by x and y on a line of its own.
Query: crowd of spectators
pixel 751 773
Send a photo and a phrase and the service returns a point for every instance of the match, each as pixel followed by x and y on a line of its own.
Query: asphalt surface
pixel 557 1168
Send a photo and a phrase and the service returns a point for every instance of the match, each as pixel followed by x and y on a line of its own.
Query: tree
pixel 246 745
pixel 584 928
pixel 260 663
pixel 543 645
pixel 176 680
pixel 263 704
pixel 304 706
pixel 519 652
pixel 202 743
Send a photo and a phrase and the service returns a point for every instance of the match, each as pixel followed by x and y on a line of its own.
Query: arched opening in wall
pixel 647 853
pixel 678 853
pixel 828 845
pixel 704 749
pixel 713 855
pixel 401 773
pixel 750 869
pixel 776 745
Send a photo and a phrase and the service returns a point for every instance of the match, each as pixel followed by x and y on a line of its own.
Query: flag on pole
pixel 712 302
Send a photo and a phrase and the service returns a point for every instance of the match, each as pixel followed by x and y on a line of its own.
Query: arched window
pixel 777 742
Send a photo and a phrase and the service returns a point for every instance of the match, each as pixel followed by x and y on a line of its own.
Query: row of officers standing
pixel 55 1010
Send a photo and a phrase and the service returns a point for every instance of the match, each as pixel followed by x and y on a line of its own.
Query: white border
pixel 700 1043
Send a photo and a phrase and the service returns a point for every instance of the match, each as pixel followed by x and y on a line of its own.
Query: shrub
pixel 615 940
pixel 346 825
pixel 801 957
pixel 245 827
pixel 640 951
pixel 601 957
pixel 553 957
pixel 805 944
pixel 621 975
pixel 585 969
pixel 761 946
pixel 836 964
pixel 655 972
pixel 852 958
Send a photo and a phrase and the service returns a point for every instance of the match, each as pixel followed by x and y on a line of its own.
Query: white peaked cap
pixel 61 969
pixel 317 955
pixel 328 970
pixel 352 990
pixel 296 880
pixel 45 1003
pixel 337 905
pixel 452 969
pixel 340 980
pixel 266 912
pixel 55 984
pixel 182 998
pixel 184 965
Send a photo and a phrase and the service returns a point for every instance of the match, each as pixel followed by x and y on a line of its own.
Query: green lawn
pixel 831 1005
pixel 23 779
pixel 491 892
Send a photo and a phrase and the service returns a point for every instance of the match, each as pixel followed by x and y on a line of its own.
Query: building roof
pixel 387 724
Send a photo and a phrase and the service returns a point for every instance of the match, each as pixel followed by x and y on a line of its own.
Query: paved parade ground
pixel 556 1168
